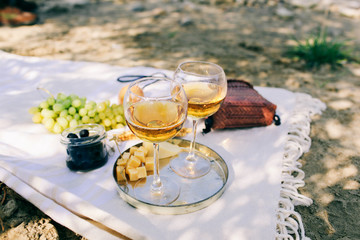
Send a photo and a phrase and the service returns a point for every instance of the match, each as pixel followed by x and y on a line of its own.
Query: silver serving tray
pixel 195 194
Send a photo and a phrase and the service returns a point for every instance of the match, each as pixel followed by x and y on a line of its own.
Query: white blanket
pixel 259 197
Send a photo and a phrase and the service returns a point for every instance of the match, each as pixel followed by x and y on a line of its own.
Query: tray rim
pixel 182 208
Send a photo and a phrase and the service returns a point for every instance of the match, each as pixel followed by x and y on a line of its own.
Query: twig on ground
pixel 1 203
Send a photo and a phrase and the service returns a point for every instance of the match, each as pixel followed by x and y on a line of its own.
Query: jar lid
pixel 76 136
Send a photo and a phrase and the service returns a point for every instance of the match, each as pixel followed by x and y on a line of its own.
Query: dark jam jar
pixel 85 147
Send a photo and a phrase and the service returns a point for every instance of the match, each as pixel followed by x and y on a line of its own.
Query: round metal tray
pixel 195 194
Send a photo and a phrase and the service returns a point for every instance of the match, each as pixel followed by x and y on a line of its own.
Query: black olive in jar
pixel 87 152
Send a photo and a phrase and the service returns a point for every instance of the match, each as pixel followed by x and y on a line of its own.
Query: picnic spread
pixel 263 173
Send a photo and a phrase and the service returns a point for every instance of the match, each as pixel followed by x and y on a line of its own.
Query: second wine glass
pixel 205 86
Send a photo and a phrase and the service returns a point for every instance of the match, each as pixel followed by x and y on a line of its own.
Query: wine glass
pixel 155 111
pixel 205 86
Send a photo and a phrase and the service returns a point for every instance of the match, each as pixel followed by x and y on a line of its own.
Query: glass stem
pixel 191 156
pixel 156 184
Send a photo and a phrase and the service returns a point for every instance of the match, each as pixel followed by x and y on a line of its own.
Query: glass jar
pixel 85 147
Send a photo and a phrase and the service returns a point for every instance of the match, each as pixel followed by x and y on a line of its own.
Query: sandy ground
pixel 250 43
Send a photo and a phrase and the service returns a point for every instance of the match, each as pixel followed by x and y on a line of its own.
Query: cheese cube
pixel 133 162
pixel 149 163
pixel 141 172
pixel 143 149
pixel 121 162
pixel 149 148
pixel 126 155
pixel 127 168
pixel 132 150
pixel 133 174
pixel 120 173
pixel 140 155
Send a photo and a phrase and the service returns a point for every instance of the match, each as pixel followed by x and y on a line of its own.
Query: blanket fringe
pixel 289 224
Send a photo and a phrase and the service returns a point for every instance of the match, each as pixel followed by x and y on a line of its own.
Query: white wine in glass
pixel 205 86
pixel 155 110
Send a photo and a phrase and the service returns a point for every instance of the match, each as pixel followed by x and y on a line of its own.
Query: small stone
pixel 137 7
pixel 186 21
pixel 284 12
pixel 9 208
pixel 64 5
pixel 304 4
pixel 349 12
pixel 158 12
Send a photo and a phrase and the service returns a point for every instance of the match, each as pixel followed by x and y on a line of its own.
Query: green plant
pixel 318 50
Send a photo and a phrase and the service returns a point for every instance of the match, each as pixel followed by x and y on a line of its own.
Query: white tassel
pixel 289 222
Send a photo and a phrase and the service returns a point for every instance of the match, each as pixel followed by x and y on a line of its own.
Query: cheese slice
pixel 166 149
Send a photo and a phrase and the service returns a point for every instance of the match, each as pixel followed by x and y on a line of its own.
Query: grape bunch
pixel 64 111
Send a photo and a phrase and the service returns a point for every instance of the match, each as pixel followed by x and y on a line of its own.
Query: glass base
pixel 190 168
pixel 168 193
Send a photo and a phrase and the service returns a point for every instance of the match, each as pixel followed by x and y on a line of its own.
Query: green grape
pixel 49 123
pixel 83 101
pixel 108 112
pixel 37 118
pixel 48 113
pixel 34 110
pixel 61 96
pixel 63 113
pixel 90 105
pixel 58 107
pixel 76 103
pixel 91 113
pixel 67 103
pixel 107 102
pixel 107 122
pixel 113 122
pixel 69 118
pixel 111 116
pixel 72 111
pixel 121 109
pixel 43 120
pixel 93 103
pixel 73 123
pixel 102 115
pixel 73 97
pixel 92 120
pixel 101 107
pixel 115 111
pixel 97 118
pixel 85 119
pixel 57 128
pixel 77 116
pixel 119 118
pixel 51 101
pixel 82 112
pixel 119 125
pixel 44 105
pixel 62 122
